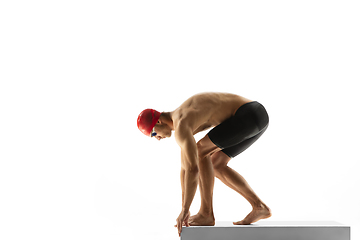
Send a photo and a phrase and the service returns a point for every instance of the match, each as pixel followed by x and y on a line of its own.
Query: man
pixel 238 122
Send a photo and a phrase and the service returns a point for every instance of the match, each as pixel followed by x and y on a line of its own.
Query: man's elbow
pixel 192 168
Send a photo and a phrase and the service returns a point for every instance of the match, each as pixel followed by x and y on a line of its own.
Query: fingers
pixel 182 224
pixel 182 220
pixel 179 226
pixel 186 222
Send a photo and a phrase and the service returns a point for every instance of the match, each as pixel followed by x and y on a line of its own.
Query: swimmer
pixel 237 123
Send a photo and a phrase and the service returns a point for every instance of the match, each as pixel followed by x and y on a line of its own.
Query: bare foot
pixel 255 215
pixel 201 220
pixel 191 218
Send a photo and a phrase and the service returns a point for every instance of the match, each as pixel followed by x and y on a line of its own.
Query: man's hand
pixel 183 218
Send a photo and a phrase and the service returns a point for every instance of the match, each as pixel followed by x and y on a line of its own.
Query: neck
pixel 166 117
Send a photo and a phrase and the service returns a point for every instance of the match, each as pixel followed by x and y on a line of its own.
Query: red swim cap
pixel 147 120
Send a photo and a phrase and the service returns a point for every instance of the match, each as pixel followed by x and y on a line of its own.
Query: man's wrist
pixel 185 209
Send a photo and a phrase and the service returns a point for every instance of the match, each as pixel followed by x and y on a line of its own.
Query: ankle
pixel 260 205
pixel 207 214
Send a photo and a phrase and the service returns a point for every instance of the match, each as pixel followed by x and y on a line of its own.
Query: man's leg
pixel 205 216
pixel 236 182
pixel 234 136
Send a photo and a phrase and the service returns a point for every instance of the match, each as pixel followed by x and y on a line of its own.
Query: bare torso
pixel 206 110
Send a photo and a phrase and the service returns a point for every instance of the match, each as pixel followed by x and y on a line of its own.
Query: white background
pixel 75 75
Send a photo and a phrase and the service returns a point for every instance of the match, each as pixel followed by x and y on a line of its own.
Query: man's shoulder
pixel 181 116
pixel 182 123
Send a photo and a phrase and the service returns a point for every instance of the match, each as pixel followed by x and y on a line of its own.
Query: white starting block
pixel 269 230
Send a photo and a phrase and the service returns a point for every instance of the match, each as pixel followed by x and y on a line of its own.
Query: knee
pixel 219 162
pixel 218 166
pixel 205 147
pixel 218 170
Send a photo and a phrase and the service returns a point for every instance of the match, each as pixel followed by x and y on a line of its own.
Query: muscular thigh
pixel 221 158
pixel 237 133
pixel 235 150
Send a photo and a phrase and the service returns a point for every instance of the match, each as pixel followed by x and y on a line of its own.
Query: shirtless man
pixel 238 122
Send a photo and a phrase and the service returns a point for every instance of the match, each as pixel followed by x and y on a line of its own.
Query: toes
pixel 191 220
pixel 242 222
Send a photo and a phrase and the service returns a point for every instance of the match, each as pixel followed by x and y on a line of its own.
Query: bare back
pixel 207 110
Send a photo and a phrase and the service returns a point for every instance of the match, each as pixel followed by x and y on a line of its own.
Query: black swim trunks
pixel 240 131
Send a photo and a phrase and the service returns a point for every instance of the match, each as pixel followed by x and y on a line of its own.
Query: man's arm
pixel 189 164
pixel 182 178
